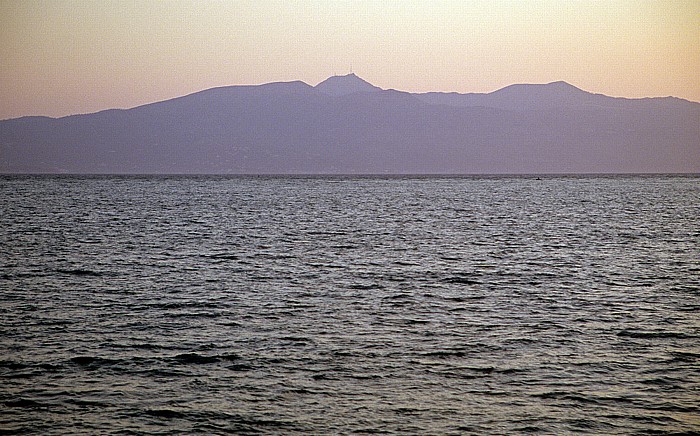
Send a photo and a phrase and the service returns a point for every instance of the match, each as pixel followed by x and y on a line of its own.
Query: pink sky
pixel 65 57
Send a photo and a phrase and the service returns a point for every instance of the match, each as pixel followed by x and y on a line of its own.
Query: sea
pixel 298 305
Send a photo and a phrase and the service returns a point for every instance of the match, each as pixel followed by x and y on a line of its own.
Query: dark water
pixel 350 305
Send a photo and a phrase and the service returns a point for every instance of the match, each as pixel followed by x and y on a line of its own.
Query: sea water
pixel 316 305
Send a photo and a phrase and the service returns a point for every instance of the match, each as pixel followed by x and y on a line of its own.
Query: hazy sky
pixel 60 57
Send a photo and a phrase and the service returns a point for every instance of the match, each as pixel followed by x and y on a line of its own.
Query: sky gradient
pixel 64 57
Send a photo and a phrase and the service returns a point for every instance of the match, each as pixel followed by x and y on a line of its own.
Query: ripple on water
pixel 272 305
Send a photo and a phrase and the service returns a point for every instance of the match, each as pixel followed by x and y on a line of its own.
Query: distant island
pixel 345 125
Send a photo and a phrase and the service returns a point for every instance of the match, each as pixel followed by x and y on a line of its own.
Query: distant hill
pixel 544 96
pixel 347 125
pixel 344 85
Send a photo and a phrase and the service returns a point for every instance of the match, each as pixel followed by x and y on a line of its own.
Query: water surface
pixel 292 305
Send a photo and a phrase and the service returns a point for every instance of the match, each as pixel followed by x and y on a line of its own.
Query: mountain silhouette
pixel 344 85
pixel 347 125
pixel 542 96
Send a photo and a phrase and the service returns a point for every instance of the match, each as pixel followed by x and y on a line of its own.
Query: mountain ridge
pixel 301 86
pixel 293 128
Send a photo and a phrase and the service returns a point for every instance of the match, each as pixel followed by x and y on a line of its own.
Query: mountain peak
pixel 344 85
pixel 558 86
pixel 540 96
pixel 561 83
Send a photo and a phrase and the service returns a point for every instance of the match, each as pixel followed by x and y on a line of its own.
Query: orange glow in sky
pixel 63 57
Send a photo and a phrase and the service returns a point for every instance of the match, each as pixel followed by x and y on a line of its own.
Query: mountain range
pixel 345 125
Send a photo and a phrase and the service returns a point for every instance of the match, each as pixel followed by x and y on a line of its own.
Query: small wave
pixel 25 404
pixel 196 315
pixel 444 354
pixel 326 233
pixel 557 395
pixel 323 376
pixel 465 298
pixel 652 335
pixel 89 241
pixel 196 358
pixel 186 304
pixel 147 346
pixel 12 365
pixel 222 256
pixel 399 303
pixel 86 403
pixel 408 411
pixel 405 263
pixel 461 280
pixel 92 361
pixel 297 339
pixel 684 356
pixel 35 273
pixel 231 324
pixel 240 367
pixel 529 429
pixel 362 286
pixel 327 265
pixel 662 420
pixel 452 374
pixel 586 424
pixel 344 247
pixel 481 369
pixel 165 413
pixel 362 376
pixel 411 321
pixel 668 407
pixel 511 370
pixel 80 272
pixel 21 375
pixel 582 398
pixel 50 367
pixel 401 296
pixel 668 382
pixel 226 423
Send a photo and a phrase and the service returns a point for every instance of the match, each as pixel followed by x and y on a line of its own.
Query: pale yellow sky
pixel 63 57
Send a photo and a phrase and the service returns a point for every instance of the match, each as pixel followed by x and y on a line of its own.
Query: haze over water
pixel 307 305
